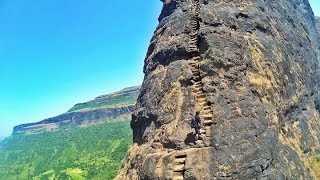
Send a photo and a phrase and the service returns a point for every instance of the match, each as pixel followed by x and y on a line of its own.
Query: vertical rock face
pixel 318 24
pixel 252 70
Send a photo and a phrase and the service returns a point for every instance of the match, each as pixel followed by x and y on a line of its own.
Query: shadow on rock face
pixel 190 139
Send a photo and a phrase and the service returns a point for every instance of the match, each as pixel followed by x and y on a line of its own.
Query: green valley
pixel 94 152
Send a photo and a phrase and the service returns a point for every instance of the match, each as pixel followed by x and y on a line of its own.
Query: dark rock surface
pixel 318 24
pixel 259 73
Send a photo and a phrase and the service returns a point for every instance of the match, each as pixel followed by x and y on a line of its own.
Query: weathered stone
pixel 318 24
pixel 258 76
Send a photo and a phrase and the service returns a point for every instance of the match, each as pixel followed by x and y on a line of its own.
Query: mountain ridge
pixel 110 107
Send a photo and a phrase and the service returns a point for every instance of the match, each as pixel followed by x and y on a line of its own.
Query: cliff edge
pixel 252 70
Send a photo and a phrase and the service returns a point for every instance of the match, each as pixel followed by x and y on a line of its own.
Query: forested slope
pixel 94 152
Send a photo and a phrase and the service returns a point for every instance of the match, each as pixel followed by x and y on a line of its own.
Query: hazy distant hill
pixel 87 142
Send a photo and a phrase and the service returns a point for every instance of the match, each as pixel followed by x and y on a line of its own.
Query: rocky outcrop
pixel 252 70
pixel 91 112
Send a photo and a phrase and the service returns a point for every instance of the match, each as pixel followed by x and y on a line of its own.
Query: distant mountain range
pixel 109 107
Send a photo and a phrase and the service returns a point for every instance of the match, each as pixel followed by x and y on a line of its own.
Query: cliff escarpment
pixel 252 70
pixel 110 107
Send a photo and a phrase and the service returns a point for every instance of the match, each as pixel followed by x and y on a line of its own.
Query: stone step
pixel 199 143
pixel 196 77
pixel 207 116
pixel 196 70
pixel 194 37
pixel 206 108
pixel 194 34
pixel 197 58
pixel 178 167
pixel 195 50
pixel 205 112
pixel 200 93
pixel 203 103
pixel 201 99
pixel 201 96
pixel 180 160
pixel 177 177
pixel 207 122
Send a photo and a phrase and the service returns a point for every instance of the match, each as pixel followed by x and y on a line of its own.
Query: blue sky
pixel 56 53
pixel 315 4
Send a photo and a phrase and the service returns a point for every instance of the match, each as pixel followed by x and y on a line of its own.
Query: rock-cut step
pixel 179 167
pixel 193 49
pixel 177 176
pixel 207 116
pixel 207 122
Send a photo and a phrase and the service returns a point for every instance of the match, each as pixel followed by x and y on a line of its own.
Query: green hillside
pixel 123 98
pixel 94 152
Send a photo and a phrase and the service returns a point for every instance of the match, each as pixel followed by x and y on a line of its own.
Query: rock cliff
pixel 252 70
pixel 110 107
pixel 318 24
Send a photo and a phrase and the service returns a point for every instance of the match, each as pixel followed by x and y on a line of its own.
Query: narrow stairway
pixel 206 113
pixel 179 167
pixel 194 26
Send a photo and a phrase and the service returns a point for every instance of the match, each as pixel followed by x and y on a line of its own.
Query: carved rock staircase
pixel 179 167
pixel 206 113
pixel 194 26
